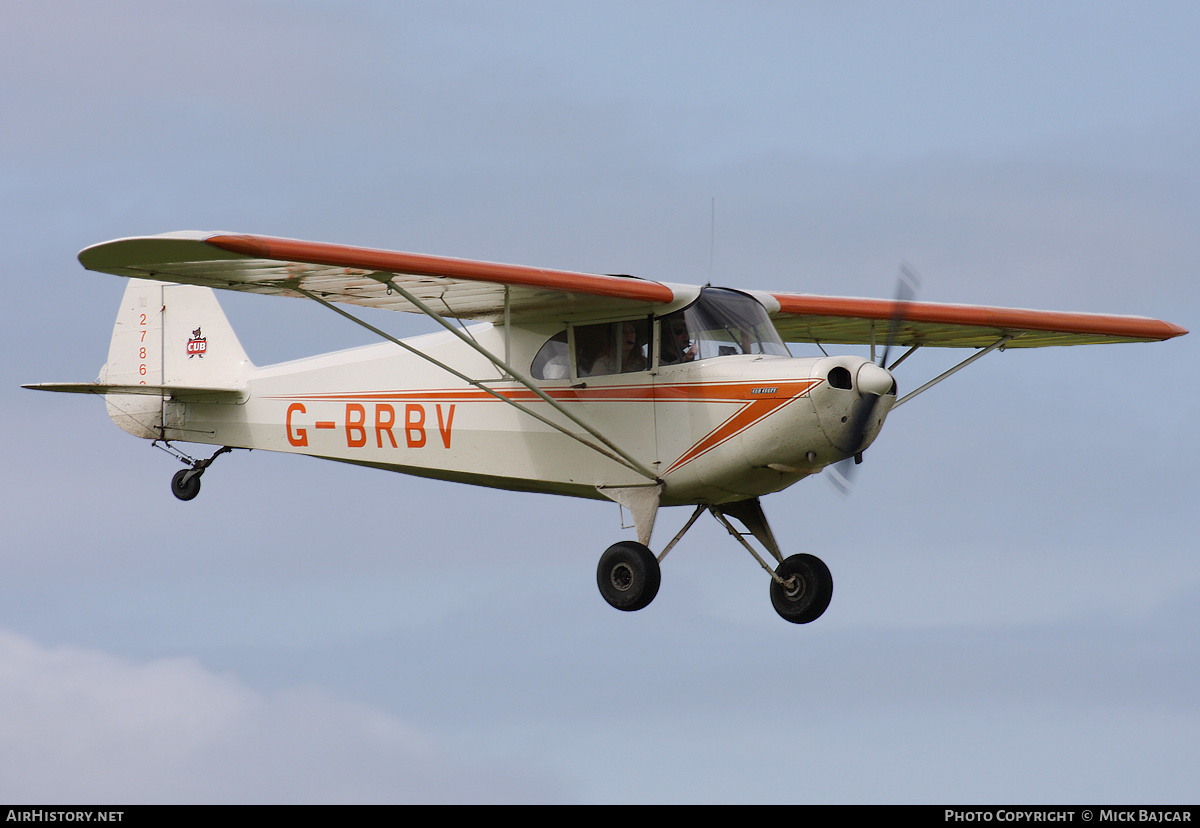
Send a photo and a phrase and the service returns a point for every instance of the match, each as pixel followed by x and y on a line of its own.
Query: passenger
pixel 633 351
pixel 593 351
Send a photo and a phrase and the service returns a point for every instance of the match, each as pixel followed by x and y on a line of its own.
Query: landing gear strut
pixel 801 586
pixel 185 484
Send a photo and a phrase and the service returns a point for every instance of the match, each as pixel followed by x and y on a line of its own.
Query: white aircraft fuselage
pixel 715 430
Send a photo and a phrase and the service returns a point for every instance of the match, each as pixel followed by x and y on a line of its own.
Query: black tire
pixel 184 487
pixel 628 576
pixel 810 595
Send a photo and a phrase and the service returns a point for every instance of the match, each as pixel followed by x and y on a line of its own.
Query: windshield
pixel 721 322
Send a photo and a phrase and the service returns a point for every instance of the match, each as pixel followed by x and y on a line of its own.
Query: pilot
pixel 677 345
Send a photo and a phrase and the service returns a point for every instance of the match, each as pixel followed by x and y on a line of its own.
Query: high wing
pixel 464 289
pixel 845 320
pixel 456 288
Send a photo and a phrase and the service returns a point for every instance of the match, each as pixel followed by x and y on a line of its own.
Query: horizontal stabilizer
pixel 175 392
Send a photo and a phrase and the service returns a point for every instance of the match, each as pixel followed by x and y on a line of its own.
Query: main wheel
pixel 628 575
pixel 184 487
pixel 803 599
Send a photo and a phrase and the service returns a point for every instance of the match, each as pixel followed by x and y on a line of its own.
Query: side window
pixel 552 360
pixel 612 347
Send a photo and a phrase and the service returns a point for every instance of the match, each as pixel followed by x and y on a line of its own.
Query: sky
pixel 1016 612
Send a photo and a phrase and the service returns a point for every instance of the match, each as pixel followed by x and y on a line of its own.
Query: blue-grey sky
pixel 1016 615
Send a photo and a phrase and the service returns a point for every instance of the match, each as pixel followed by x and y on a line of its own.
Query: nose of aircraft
pixel 854 403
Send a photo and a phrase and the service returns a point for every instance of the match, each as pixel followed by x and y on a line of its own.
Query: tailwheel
pixel 805 590
pixel 185 485
pixel 628 575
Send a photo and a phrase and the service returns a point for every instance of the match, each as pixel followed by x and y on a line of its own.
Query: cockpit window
pixel 720 323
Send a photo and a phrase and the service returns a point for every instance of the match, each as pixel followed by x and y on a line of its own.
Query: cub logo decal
pixel 197 345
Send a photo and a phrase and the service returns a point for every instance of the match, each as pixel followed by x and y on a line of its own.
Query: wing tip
pixel 105 255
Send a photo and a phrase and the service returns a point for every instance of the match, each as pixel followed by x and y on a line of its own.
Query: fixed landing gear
pixel 185 483
pixel 803 590
pixel 801 586
pixel 628 576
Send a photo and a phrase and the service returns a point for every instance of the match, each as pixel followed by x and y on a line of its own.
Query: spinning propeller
pixel 873 382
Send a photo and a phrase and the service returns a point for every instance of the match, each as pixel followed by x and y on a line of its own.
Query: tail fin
pixel 176 341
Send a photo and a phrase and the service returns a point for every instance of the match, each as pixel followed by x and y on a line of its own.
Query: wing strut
pixel 616 454
pixel 999 343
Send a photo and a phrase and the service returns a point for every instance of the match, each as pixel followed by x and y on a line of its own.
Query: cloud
pixel 86 726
